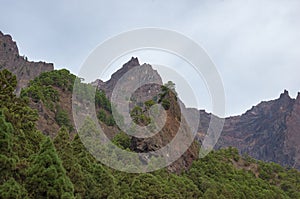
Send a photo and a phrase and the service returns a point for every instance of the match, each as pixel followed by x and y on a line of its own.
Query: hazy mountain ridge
pixel 35 166
pixel 19 65
pixel 268 131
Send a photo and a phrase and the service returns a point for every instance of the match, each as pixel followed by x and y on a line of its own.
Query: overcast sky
pixel 255 44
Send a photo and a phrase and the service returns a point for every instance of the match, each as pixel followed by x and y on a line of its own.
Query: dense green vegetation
pixel 45 89
pixel 34 166
pixel 165 92
pixel 140 113
pixel 139 116
pixel 224 174
pixel 62 118
pixel 104 109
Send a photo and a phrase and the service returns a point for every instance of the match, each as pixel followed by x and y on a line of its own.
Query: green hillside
pixel 34 166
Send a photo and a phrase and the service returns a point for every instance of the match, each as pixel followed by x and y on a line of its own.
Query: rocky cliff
pixel 144 72
pixel 175 126
pixel 151 91
pixel 269 131
pixel 19 65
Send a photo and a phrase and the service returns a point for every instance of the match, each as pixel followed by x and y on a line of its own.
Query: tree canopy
pixel 34 166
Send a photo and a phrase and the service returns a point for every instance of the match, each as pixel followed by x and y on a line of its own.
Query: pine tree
pixel 80 181
pixel 70 162
pixel 64 148
pixel 7 157
pixel 84 158
pixel 105 183
pixel 147 186
pixel 20 115
pixel 46 177
pixel 12 190
pixel 80 173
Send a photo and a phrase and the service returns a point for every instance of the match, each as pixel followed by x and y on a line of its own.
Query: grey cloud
pixel 254 44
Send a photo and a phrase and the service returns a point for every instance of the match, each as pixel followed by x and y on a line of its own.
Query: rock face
pixel 130 75
pixel 292 135
pixel 175 125
pixel 145 73
pixel 46 122
pixel 269 131
pixel 19 65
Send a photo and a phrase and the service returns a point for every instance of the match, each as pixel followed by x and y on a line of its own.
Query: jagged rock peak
pixel 133 62
pixel 7 43
pixel 285 94
pixel 5 35
pixel 126 67
pixel 298 96
pixel 19 65
pixel 297 100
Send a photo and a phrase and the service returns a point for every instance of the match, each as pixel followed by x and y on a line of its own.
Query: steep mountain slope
pixel 143 98
pixel 50 94
pixel 35 166
pixel 145 73
pixel 269 131
pixel 19 65
pixel 175 125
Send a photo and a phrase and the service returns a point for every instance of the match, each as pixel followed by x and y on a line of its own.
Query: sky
pixel 255 45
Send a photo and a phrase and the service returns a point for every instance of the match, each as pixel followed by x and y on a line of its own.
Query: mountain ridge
pixel 268 131
pixel 19 65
